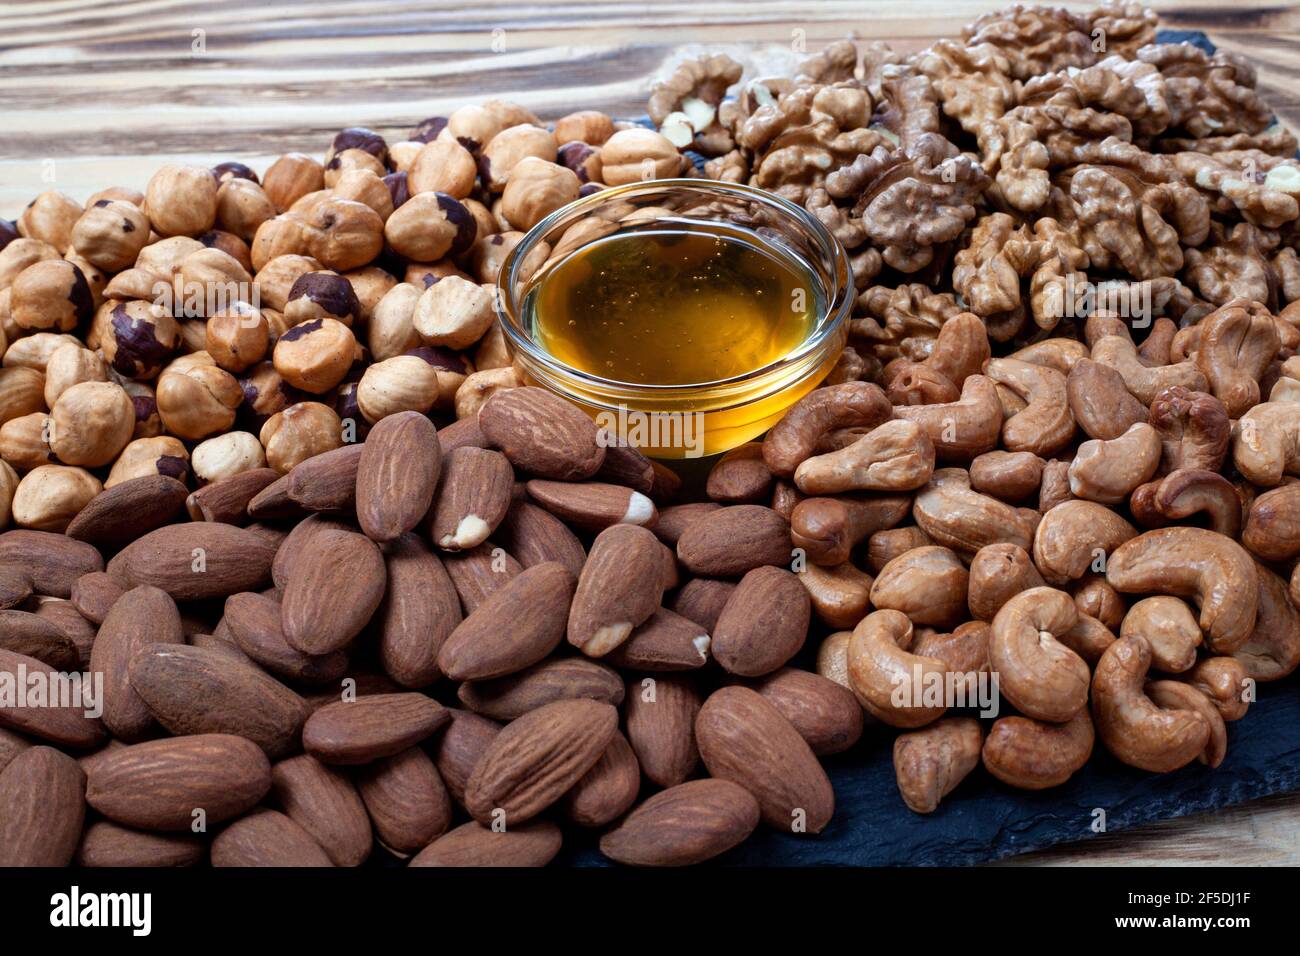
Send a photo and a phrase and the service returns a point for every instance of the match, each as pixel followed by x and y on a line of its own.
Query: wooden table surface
pixel 93 95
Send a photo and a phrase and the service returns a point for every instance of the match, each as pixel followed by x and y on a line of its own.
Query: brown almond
pixel 161 784
pixel 462 432
pixel 105 844
pixel 42 805
pixel 675 519
pixel 478 572
pixel 764 623
pixel 604 792
pixel 370 727
pixel 740 476
pixel 665 642
pixel 397 475
pixel 660 716
pixel 627 465
pixel 744 738
pixel 93 596
pixel 542 434
pixel 353 684
pixel 472 844
pixel 560 678
pixel 25 633
pixel 458 749
pixel 420 610
pixel 143 615
pixel 826 715
pixel 118 515
pixel 193 690
pixel 325 803
pixel 732 540
pixel 533 535
pixel 334 589
pixel 67 619
pixel 65 725
pixel 52 561
pixel 537 758
pixel 267 838
pixel 254 623
pixel 11 745
pixel 406 800
pixel 473 496
pixel 686 824
pixel 701 600
pixel 298 541
pixel 328 481
pixel 226 500
pixel 620 587
pixel 198 560
pixel 593 505
pixel 273 502
pixel 15 586
pixel 518 625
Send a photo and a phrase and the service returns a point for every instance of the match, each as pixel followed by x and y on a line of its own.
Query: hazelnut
pixel 349 161
pixel 315 355
pixel 34 351
pixel 8 485
pixel 536 189
pixel 71 365
pixel 181 200
pixel 266 392
pixel 583 159
pixel 96 278
pixel 22 391
pixel 427 130
pixel 424 274
pixel 475 126
pixel 430 226
pixel 195 400
pixel 300 432
pixel 148 423
pixel 207 282
pixel 25 442
pixel 276 325
pixel 399 188
pixel 454 312
pixel 139 338
pixel 509 148
pixel 242 206
pixel 480 386
pixel 51 294
pixel 318 295
pixel 50 217
pixel 638 154
pixel 485 224
pixel 584 126
pixel 402 155
pixel 343 234
pixel 18 254
pixel 230 170
pixel 193 335
pixel 366 187
pixel 492 351
pixel 442 166
pixel 291 177
pixel 487 255
pixel 285 235
pixel 49 497
pixel 399 384
pixel 370 284
pixel 124 193
pixel 227 455
pixel 360 139
pixel 91 423
pixel 231 245
pixel 159 455
pixel 237 338
pixel 276 278
pixel 392 327
pixel 110 234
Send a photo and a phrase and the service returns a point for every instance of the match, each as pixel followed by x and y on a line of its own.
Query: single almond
pixel 267 838
pixel 473 496
pixel 667 641
pixel 117 516
pixel 53 562
pixel 226 500
pixel 462 432
pixel 196 561
pixel 660 716
pixel 28 634
pixel 560 678
pixel 328 481
pixel 396 477
pixel 826 715
pixel 626 465
pixel 108 844
pixel 406 800
pixel 334 589
pixel 741 476
pixel 143 615
pixel 325 803
pixel 686 824
pixel 744 738
pixel 273 502
pixel 42 806
pixel 701 600
pixel 254 623
pixel 519 624
pixel 533 535
pixel 63 723
pixel 365 729
pixel 593 505
pixel 764 623
pixel 620 587
pixel 537 758
pixel 604 793
pixel 165 784
pixel 15 586
pixel 458 749
pixel 730 541
pixel 298 541
pixel 11 745
pixel 541 433
pixel 478 572
pixel 94 594
pixel 420 610
pixel 474 845
pixel 675 519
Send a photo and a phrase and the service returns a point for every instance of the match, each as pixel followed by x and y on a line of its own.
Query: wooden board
pixel 95 94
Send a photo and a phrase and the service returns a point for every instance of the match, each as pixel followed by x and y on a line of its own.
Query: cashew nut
pixel 998 572
pixel 840 594
pixel 1175 695
pixel 1273 649
pixel 1034 755
pixel 1046 424
pixel 929 763
pixel 1194 429
pixel 1155 348
pixel 964 651
pixel 1073 536
pixel 1055 486
pixel 927 584
pixel 890 681
pixel 1100 401
pixel 960 349
pixel 1060 354
pixel 1235 346
pixel 1144 383
pixel 794 438
pixel 894 456
pixel 1224 681
pixel 1170 630
pixel 828 529
pixel 1089 638
pixel 1130 724
pixel 1009 475
pixel 913 383
pixel 956 517
pixel 1039 675
pixel 964 428
pixel 1094 596
pixel 884 546
pixel 1108 470
pixel 1266 443
pixel 1184 493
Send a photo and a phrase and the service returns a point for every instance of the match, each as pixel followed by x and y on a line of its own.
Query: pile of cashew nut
pixel 1109 526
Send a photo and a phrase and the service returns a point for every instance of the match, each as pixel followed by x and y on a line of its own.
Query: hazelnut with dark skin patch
pixel 428 129
pixel 230 244
pixel 358 138
pixel 265 393
pixel 398 188
pixel 51 295
pixel 159 455
pixel 50 218
pixel 317 295
pixel 316 355
pixel 110 234
pixel 8 232
pixel 139 339
pixel 429 227
pixel 238 337
pixel 224 172
pixel 582 159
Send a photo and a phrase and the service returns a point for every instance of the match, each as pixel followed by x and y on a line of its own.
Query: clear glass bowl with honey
pixel 684 315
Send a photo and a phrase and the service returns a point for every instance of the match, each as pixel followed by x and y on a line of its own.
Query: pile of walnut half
pixel 1062 447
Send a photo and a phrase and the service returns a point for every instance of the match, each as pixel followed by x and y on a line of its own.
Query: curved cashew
pixel 927 584
pixel 1034 755
pixel 960 349
pixel 1094 596
pixel 1073 535
pixel 1130 724
pixel 1237 342
pixel 929 763
pixel 894 456
pixel 964 650
pixel 1144 383
pixel 884 546
pixel 1108 470
pixel 1154 350
pixel 914 384
pixel 1036 672
pixel 890 681
pixel 1100 401
pixel 1046 424
pixel 1011 402
pixel 1266 443
pixel 1055 487
pixel 1273 649
pixel 1223 680
pixel 1193 562
pixel 956 517
pixel 795 437
pixel 1194 429
pixel 840 594
pixel 1101 324
pixel 1009 475
pixel 964 428
pixel 1175 695
pixel 1184 493
pixel 999 572
pixel 829 528
pixel 1184 345
pixel 1060 354
pixel 1089 638
pixel 1170 630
